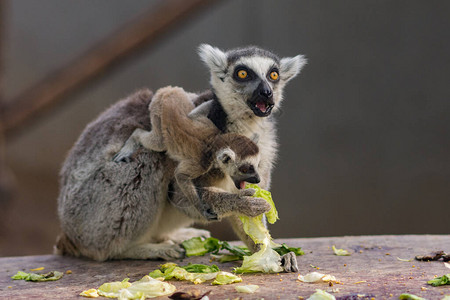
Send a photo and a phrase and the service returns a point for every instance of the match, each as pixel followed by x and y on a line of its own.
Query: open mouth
pixel 261 108
pixel 240 185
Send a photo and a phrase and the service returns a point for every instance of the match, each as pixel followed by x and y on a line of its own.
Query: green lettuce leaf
pixel 199 268
pixel 198 246
pixel 173 271
pixel 438 281
pixel 284 249
pixel 272 214
pixel 50 276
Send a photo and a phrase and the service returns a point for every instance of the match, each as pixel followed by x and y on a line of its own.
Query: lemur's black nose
pixel 265 90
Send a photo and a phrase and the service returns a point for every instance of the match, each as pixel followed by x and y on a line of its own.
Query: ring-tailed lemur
pixel 248 86
pixel 198 147
pixel 123 210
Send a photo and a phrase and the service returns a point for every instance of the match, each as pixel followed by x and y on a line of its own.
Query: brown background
pixel 364 130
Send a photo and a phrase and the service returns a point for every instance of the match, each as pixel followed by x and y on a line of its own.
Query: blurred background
pixel 364 129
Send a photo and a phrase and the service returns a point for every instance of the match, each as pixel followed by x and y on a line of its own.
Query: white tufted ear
pixel 226 156
pixel 291 66
pixel 213 57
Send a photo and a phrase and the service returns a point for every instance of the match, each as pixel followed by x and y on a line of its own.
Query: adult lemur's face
pixel 249 81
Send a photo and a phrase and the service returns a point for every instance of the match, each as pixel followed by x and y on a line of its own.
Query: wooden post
pixel 96 61
pixel 5 174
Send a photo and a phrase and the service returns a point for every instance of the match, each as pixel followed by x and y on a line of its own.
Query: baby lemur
pixel 198 147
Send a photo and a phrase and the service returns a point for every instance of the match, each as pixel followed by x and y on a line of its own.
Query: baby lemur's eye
pixel 246 169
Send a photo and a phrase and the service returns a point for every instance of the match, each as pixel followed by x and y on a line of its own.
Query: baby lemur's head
pixel 237 157
pixel 249 81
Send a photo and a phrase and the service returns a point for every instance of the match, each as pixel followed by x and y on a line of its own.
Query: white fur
pixel 291 66
pixel 213 57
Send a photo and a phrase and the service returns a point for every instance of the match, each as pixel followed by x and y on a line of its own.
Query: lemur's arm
pixel 226 204
pixel 186 171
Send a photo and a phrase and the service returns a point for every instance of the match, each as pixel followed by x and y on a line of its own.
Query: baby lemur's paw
pixel 289 262
pixel 125 157
pixel 124 154
pixel 247 192
pixel 208 213
pixel 251 206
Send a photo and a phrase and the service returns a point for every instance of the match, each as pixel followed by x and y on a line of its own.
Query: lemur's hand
pixel 251 206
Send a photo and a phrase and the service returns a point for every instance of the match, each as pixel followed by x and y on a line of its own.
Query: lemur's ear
pixel 213 57
pixel 226 156
pixel 291 66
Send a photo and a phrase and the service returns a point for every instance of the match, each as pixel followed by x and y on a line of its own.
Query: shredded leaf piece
pixel 340 252
pixel 284 249
pixel 111 289
pixel 321 295
pixel 226 278
pixel 199 268
pixel 50 276
pixel 410 297
pixel 173 271
pixel 438 281
pixel 249 289
pixel 402 259
pixel 91 293
pixel 147 287
pixel 314 277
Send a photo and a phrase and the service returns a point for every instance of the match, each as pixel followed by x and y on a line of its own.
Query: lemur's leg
pixel 148 139
pixel 166 251
pixel 237 226
pixel 182 234
pixel 184 174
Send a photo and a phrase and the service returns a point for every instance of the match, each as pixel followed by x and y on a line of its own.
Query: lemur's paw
pixel 124 155
pixel 210 215
pixel 171 252
pixel 289 262
pixel 246 192
pixel 252 207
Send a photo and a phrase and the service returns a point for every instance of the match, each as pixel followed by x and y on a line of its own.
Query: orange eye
pixel 274 75
pixel 242 74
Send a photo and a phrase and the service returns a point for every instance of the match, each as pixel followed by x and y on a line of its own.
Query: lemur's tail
pixel 64 246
